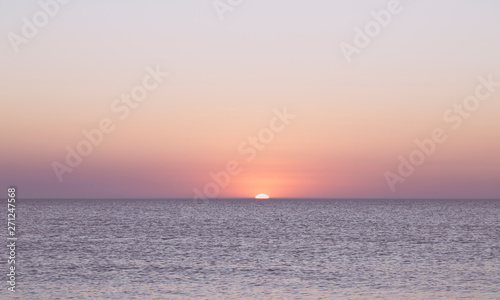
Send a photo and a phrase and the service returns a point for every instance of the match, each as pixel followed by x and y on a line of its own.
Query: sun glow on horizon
pixel 262 196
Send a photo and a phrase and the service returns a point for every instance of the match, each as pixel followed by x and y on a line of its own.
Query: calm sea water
pixel 249 249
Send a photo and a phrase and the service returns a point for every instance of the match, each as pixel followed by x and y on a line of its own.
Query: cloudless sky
pixel 353 120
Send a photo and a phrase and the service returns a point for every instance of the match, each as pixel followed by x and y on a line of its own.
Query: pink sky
pixel 352 120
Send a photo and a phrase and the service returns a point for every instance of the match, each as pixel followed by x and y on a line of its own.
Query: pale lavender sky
pixel 226 76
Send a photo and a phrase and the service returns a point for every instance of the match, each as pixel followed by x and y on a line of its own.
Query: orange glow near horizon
pixel 352 121
pixel 262 196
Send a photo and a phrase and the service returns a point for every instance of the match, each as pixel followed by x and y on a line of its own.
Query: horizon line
pixel 251 198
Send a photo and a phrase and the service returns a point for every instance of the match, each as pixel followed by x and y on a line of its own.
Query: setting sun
pixel 262 196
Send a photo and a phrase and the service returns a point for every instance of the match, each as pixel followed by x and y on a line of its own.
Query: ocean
pixel 256 249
